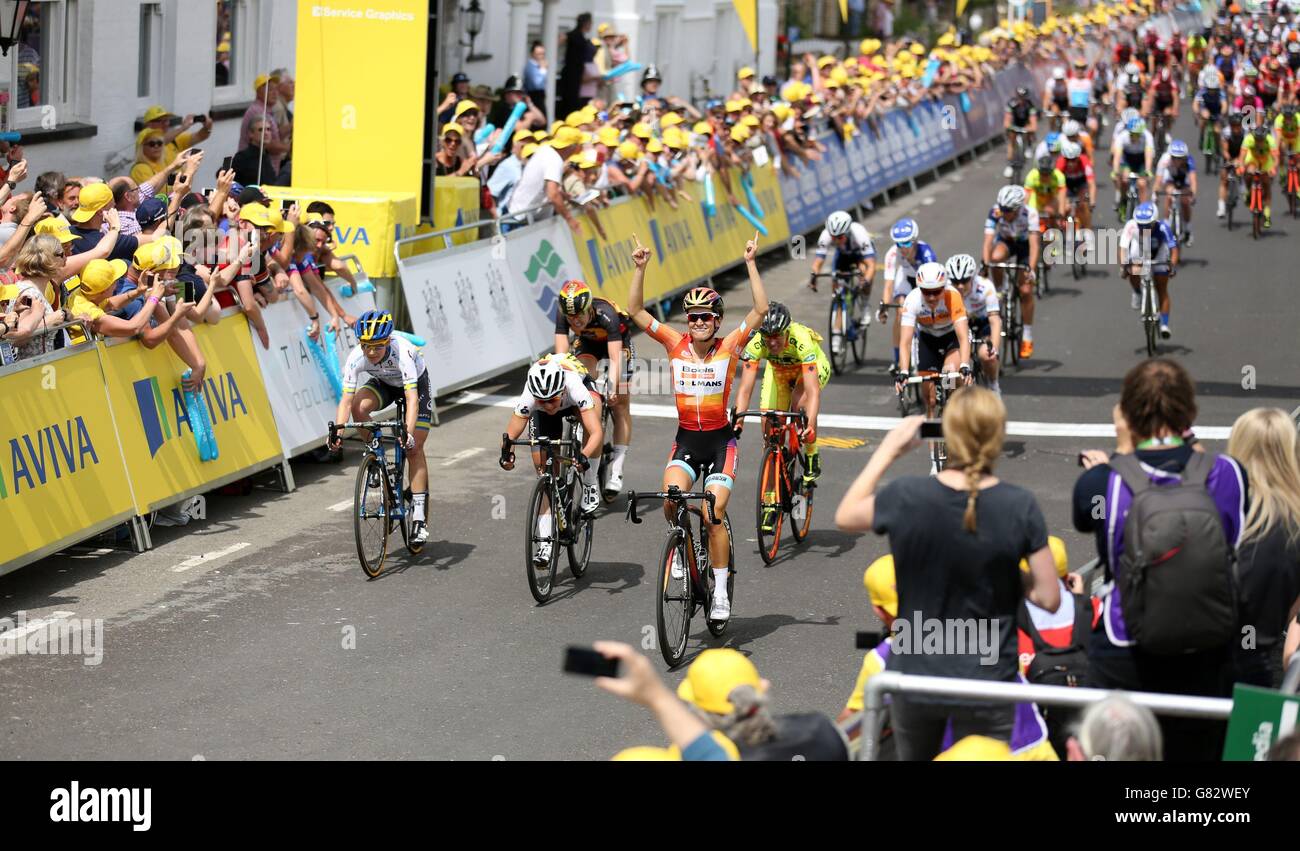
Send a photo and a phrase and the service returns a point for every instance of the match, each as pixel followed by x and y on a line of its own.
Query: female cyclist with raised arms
pixel 703 365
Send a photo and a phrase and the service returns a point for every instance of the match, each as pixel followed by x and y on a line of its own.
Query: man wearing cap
pixel 261 228
pixel 179 137
pixel 459 92
pixel 95 201
pixel 266 93
pixel 543 176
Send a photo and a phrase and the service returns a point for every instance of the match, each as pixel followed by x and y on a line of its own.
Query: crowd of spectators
pixel 634 139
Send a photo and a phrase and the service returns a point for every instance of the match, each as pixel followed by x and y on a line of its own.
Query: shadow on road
pixel 439 555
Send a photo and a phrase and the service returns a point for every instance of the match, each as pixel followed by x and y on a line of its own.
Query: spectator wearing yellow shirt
pixel 179 137
pixel 87 291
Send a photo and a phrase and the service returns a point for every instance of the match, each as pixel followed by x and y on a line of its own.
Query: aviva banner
pixel 688 246
pixel 358 107
pixel 61 473
pixel 153 421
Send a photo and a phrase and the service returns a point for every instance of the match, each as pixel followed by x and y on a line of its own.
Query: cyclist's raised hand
pixel 641 255
pixel 751 248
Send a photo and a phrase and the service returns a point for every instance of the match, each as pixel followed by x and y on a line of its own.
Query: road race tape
pixel 848 421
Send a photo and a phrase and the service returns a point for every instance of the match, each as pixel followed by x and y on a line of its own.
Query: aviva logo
pixel 162 421
pixel 48 453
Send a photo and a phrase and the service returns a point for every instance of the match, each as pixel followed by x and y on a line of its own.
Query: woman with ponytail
pixel 957 540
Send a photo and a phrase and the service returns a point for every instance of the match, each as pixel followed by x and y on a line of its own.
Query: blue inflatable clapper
pixel 620 70
pixel 931 68
pixel 322 359
pixel 965 102
pixel 749 217
pixel 506 132
pixel 747 183
pixel 483 132
pixel 418 342
pixel 200 419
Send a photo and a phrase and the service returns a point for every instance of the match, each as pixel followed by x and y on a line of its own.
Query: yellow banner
pixel 687 246
pixel 157 442
pixel 747 11
pixel 365 223
pixel 60 468
pixel 455 202
pixel 359 104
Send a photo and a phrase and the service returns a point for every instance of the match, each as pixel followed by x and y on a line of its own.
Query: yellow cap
pixel 453 127
pixel 917 49
pixel 253 213
pixel 55 226
pixel 750 121
pixel 93 198
pixel 670 119
pixel 882 584
pixel 99 275
pixel 629 151
pixel 607 136
pixel 155 112
pixel 654 146
pixel 464 107
pixel 521 135
pixel 739 133
pixel 704 128
pixel 262 79
pixel 832 83
pixel 675 138
pixel 529 150
pixel 713 675
pixel 645 753
pixel 555 126
pixel 976 749
pixel 1059 556
pixel 745 73
pixel 826 61
pixel 727 745
pixel 605 29
pixel 642 130
pixel 566 137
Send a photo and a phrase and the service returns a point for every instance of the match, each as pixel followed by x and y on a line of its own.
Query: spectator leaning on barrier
pixel 39 295
pixel 88 292
pixel 506 175
pixel 1158 634
pixel 957 540
pixel 543 176
pixel 1116 730
pixel 1264 441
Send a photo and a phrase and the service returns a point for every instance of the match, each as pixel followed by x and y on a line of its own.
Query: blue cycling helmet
pixel 904 231
pixel 1178 148
pixel 1145 214
pixel 1053 141
pixel 1135 125
pixel 375 326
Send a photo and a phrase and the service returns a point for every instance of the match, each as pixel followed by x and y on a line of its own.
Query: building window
pixel 43 68
pixel 227 30
pixel 150 50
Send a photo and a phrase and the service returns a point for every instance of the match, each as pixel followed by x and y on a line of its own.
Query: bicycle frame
pixel 375 447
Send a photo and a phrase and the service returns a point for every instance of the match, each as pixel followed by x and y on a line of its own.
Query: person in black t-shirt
pixel 957 540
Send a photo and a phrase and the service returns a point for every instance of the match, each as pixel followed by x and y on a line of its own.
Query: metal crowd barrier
pixel 892 682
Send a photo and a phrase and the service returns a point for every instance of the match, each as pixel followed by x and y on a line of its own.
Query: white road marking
pixel 33 625
pixel 463 454
pixel 1015 428
pixel 927 201
pixel 341 506
pixel 207 557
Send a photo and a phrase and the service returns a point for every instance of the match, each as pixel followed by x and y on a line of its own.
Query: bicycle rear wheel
pixel 838 340
pixel 371 512
pixel 769 501
pixel 606 458
pixel 859 316
pixel 717 628
pixel 541 577
pixel 674 604
pixel 582 528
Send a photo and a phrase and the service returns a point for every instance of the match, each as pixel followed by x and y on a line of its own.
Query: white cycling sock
pixel 544 526
pixel 591 477
pixel 417 506
pixel 1029 333
pixel 720 583
pixel 616 462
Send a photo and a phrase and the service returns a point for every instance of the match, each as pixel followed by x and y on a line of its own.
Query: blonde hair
pixel 39 259
pixel 974 425
pixel 1264 441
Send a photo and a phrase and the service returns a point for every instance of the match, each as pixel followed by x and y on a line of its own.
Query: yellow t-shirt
pixel 802 346
pixel 1043 189
pixel 1265 157
pixel 81 308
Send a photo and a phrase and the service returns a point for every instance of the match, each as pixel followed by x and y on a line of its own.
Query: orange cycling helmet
pixel 575 298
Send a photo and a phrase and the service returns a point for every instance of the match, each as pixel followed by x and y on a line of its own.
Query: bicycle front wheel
pixel 674 603
pixel 371 509
pixel 838 339
pixel 771 493
pixel 541 564
pixel 859 316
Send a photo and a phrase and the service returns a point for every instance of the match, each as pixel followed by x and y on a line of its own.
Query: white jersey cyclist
pixel 401 367
pixel 576 395
pixel 903 271
pixel 1166 175
pixel 982 301
pixel 1015 228
pixel 858 247
pixel 1133 151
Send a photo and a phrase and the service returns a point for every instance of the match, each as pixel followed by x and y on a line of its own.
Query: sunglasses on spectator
pixel 156 143
pixel 699 317
pixel 447 140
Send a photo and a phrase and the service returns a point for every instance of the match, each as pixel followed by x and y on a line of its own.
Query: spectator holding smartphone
pixel 178 137
pixel 957 540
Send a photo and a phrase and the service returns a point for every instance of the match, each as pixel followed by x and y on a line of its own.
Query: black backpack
pixel 1060 666
pixel 1176 574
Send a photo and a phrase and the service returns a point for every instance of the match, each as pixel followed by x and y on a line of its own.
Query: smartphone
pixel 286 204
pixel 588 663
pixel 867 640
pixel 187 291
pixel 932 430
pixel 208 193
pixel 225 164
pixel 194 151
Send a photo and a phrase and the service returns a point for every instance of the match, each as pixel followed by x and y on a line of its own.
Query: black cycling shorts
pixel 931 350
pixel 711 454
pixel 387 394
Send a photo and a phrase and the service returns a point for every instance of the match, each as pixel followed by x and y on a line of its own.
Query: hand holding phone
pixel 225 163
pixel 588 663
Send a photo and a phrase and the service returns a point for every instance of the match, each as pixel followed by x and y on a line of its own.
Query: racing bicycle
pixel 849 318
pixel 559 489
pixel 782 489
pixel 1233 193
pixel 685 574
pixel 1256 180
pixel 1013 326
pixel 380 503
pixel 1019 135
pixel 1292 183
pixel 944 385
pixel 1150 309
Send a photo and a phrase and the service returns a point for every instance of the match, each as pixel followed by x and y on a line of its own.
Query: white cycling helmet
pixel 960 267
pixel 1058 73
pixel 1210 77
pixel 1132 69
pixel 838 223
pixel 545 380
pixel 1128 115
pixel 1011 197
pixel 1071 150
pixel 931 276
pixel 1070 128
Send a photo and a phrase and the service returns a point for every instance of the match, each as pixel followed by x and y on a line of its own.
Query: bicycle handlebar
pixel 397 426
pixel 802 416
pixel 935 377
pixel 673 494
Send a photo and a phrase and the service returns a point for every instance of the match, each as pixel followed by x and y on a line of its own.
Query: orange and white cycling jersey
pixel 701 385
pixel 937 320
